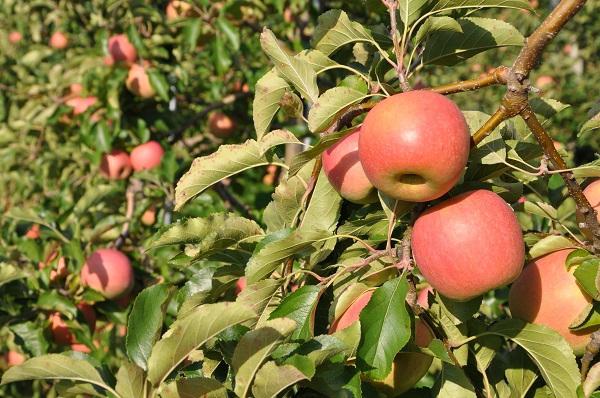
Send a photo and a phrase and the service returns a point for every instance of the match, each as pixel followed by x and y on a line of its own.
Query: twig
pixel 134 187
pixel 392 6
pixel 591 351
pixel 495 77
pixel 232 201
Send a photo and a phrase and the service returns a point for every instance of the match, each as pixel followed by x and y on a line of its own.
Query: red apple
pixel 14 37
pixel 108 60
pixel 146 156
pixel 345 172
pixel 547 293
pixel 14 358
pixel 240 285
pixel 220 125
pixel 468 245
pixel 544 81
pixel 178 9
pixel 59 40
pixel 76 89
pixel 109 272
pixel 138 82
pixel 115 165
pixel 149 216
pixel 60 330
pixel 121 49
pixel 81 104
pixel 414 146
pixel 592 193
pixel 33 232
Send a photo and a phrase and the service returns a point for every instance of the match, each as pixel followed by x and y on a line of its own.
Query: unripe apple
pixel 81 104
pixel 138 82
pixel 547 293
pixel 149 216
pixel 408 367
pixel 59 40
pixel 33 232
pixel 414 146
pixel 178 9
pixel 14 358
pixel 468 245
pixel 121 49
pixel 115 165
pixel 109 272
pixel 345 172
pixel 220 125
pixel 14 37
pixel 60 330
pixel 240 285
pixel 146 156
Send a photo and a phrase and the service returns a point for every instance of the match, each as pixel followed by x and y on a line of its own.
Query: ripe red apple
pixel 81 104
pixel 221 125
pixel 14 358
pixel 592 193
pixel 115 165
pixel 146 156
pixel 414 146
pixel 59 40
pixel 60 330
pixel 468 245
pixel 240 285
pixel 149 216
pixel 408 367
pixel 178 9
pixel 547 294
pixel 14 37
pixel 109 272
pixel 138 82
pixel 121 49
pixel 345 172
pixel 33 232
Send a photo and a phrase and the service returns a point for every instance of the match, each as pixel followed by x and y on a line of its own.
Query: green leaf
pixel 31 216
pixel 230 32
pixel 272 254
pixel 9 273
pixel 226 162
pixel 300 307
pixel 294 70
pixel 452 382
pixel 478 34
pixel 521 373
pixel 589 126
pixel 492 149
pixel 588 276
pixel 330 104
pixel 337 380
pixel 54 301
pixel 194 387
pixel 548 350
pixel 411 10
pixel 541 209
pixel 260 296
pixel 385 328
pixel 145 323
pixel 31 336
pixel 324 207
pixel 159 83
pixel 436 24
pixel 55 367
pixel 130 381
pixel 254 347
pixel 272 379
pixel 445 5
pixel 334 30
pixel 317 60
pixel 187 334
pixel 300 160
pixel 268 93
pixel 191 33
pixel 550 244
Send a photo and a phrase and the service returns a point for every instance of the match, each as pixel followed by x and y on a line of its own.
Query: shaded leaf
pixel 272 379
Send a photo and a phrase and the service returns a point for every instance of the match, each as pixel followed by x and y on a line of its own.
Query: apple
pixel 76 88
pixel 14 37
pixel 115 165
pixel 408 367
pixel 60 330
pixel 468 245
pixel 414 146
pixel 240 285
pixel 270 175
pixel 121 49
pixel 33 232
pixel 14 358
pixel 178 9
pixel 138 82
pixel 59 40
pixel 220 125
pixel 146 156
pixel 149 216
pixel 544 81
pixel 109 272
pixel 108 60
pixel 592 193
pixel 345 172
pixel 547 293
pixel 81 104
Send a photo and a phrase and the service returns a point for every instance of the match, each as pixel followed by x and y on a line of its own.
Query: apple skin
pixel 592 193
pixel 146 156
pixel 240 285
pixel 547 294
pixel 148 218
pixel 544 81
pixel 414 146
pixel 468 245
pixel 33 232
pixel 14 37
pixel 345 172
pixel 59 40
pixel 138 82
pixel 115 165
pixel 14 358
pixel 81 104
pixel 408 367
pixel 60 330
pixel 177 9
pixel 109 272
pixel 121 49
pixel 220 125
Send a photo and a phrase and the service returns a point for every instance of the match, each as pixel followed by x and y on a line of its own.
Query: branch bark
pixel 495 77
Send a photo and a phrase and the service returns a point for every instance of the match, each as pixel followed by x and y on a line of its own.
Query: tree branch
pixel 392 6
pixel 497 76
pixel 232 201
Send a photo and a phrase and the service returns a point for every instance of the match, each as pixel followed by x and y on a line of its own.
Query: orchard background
pixel 248 270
